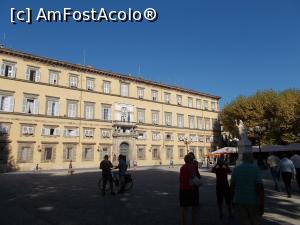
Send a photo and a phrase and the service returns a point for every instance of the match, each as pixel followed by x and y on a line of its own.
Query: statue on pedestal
pixel 243 130
pixel 244 143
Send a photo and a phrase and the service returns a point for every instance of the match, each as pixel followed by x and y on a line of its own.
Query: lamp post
pixel 258 132
pixel 233 142
pixel 186 141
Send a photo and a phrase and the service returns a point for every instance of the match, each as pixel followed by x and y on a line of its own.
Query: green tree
pixel 278 112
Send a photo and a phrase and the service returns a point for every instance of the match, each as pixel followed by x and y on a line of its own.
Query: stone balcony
pixel 124 124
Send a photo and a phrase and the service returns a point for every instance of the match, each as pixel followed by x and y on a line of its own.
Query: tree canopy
pixel 277 112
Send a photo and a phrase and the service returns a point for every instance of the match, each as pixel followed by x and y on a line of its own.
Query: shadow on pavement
pixel 49 199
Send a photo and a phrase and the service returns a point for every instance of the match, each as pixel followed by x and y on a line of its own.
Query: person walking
pixel 171 165
pixel 222 170
pixel 248 191
pixel 296 161
pixel 106 167
pixel 71 170
pixel 287 170
pixel 122 171
pixel 188 193
pixel 273 162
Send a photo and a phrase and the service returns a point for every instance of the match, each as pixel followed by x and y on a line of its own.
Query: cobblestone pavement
pixel 55 198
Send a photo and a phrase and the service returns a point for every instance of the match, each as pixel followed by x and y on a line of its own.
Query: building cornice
pixel 89 69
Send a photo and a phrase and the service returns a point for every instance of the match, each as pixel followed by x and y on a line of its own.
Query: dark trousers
pixel 107 177
pixel 223 192
pixel 287 178
pixel 276 175
pixel 298 176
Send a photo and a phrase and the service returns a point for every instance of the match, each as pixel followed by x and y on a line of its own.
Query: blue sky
pixel 226 48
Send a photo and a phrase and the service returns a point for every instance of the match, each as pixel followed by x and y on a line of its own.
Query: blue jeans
pixel 276 175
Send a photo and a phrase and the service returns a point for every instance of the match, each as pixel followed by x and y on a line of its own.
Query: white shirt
pixel 286 165
pixel 296 161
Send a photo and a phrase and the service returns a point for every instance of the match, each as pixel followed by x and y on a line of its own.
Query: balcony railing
pixel 123 123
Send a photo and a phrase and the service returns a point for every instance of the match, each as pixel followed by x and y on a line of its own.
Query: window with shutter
pixel 168 119
pixel 35 106
pixel 4 130
pixel 32 75
pixel 53 78
pixel 124 89
pixel 154 95
pixel 180 120
pixel 198 103
pixel 199 123
pixel 141 153
pixel 3 69
pixel 190 102
pixel 56 131
pixel 167 97
pixel 181 152
pixel 87 153
pixel 155 153
pixel 155 117
pixel 6 103
pixel 73 81
pixel 48 152
pixel 30 130
pixel 106 87
pixel 90 84
pixel 106 112
pixel 89 112
pixel 8 70
pixel 72 109
pixel 192 122
pixel 169 153
pixel 24 130
pixel 207 123
pixel 2 102
pixel 37 76
pixel 179 99
pixel 141 116
pixel 205 104
pixel 25 153
pixel 140 92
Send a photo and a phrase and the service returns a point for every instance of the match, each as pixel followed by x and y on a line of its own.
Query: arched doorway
pixel 124 150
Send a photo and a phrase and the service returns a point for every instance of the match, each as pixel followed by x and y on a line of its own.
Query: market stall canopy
pixel 225 150
pixel 278 148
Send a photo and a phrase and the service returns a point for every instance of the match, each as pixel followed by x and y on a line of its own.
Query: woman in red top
pixel 188 195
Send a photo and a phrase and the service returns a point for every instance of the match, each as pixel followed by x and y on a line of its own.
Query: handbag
pixel 195 181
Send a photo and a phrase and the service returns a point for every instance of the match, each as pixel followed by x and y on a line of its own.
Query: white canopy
pixel 266 148
pixel 225 150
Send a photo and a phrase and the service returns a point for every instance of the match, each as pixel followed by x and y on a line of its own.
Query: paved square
pixel 56 198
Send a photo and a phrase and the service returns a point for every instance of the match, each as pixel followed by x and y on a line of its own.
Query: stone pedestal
pixel 243 146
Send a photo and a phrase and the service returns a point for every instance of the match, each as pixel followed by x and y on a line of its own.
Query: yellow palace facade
pixel 52 112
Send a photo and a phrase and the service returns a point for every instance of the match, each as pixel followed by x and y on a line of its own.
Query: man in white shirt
pixel 273 162
pixel 287 170
pixel 296 161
